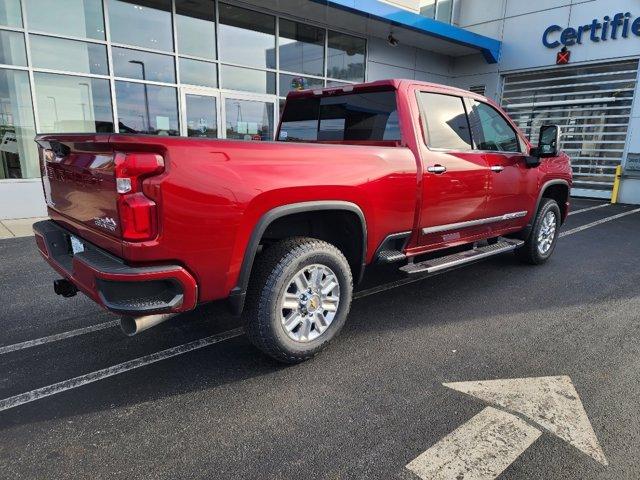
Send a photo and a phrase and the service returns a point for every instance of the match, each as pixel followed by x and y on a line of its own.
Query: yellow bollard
pixel 616 184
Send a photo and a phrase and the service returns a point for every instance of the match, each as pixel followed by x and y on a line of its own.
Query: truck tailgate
pixel 79 179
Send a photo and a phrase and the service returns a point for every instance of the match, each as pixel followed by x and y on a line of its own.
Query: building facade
pixel 221 69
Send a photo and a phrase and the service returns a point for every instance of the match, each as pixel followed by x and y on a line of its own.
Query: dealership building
pixel 221 69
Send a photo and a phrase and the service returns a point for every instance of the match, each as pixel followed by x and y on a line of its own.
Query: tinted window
pixel 196 72
pixel 145 23
pixel 77 18
pixel 73 104
pixel 298 82
pixel 247 37
pixel 248 80
pixel 195 23
pixel 301 48
pixel 345 57
pixel 146 108
pixel 446 121
pixel 143 65
pixel 10 13
pixel 68 55
pixel 12 50
pixel 362 116
pixel 490 130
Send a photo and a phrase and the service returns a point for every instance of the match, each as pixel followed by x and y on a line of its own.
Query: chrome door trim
pixel 473 223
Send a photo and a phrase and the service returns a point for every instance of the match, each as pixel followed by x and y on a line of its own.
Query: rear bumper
pixel 110 282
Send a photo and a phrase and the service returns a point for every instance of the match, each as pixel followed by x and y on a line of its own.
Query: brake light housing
pixel 138 213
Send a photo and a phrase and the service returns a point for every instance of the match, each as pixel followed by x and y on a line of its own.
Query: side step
pixel 468 256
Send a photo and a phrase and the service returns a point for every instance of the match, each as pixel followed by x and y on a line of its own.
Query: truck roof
pixel 392 83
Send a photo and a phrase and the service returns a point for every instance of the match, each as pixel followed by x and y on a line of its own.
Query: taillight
pixel 138 213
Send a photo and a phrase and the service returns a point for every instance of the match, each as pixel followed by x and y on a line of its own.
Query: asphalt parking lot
pixel 192 398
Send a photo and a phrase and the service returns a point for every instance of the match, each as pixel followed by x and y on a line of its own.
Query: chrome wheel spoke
pixel 547 232
pixel 309 303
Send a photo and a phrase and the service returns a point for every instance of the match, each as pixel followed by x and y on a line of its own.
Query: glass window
pixel 290 83
pixel 446 121
pixel 301 48
pixel 195 23
pixel 245 79
pixel 149 109
pixel 248 119
pixel 144 23
pixel 18 153
pixel 75 18
pixel 428 8
pixel 12 49
pixel 68 55
pixel 490 130
pixel 371 116
pixel 195 72
pixel 443 13
pixel 345 57
pixel 202 116
pixel 143 65
pixel 247 37
pixel 10 13
pixel 73 104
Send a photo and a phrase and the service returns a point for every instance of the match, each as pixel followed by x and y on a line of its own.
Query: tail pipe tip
pixel 133 325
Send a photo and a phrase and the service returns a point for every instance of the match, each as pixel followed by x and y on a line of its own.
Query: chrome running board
pixel 468 256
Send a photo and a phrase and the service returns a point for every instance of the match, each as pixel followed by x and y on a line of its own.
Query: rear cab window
pixel 359 117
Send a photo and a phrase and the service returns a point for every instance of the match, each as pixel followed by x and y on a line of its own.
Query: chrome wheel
pixel 547 233
pixel 310 303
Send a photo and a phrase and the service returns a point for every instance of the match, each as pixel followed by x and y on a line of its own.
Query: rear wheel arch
pixel 274 224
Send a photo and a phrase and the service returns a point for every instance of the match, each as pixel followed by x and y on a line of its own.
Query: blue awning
pixel 489 47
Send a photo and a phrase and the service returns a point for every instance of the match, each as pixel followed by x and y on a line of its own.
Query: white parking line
pixel 76 382
pixel 589 209
pixel 598 222
pixel 57 337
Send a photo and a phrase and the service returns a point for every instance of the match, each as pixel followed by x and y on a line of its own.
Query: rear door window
pixel 369 116
pixel 445 121
pixel 490 129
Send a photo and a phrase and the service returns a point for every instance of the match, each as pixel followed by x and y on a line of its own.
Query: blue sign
pixel 596 31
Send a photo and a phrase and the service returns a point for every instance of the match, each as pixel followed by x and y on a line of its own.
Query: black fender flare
pixel 239 292
pixel 527 230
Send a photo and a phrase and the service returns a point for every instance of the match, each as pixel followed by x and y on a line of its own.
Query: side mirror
pixel 548 142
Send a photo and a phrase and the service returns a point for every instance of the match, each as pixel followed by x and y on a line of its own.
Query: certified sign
pixel 633 162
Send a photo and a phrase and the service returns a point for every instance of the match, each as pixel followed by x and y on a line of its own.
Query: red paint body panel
pixel 212 193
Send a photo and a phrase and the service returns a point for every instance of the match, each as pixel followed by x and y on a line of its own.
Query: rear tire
pixel 298 299
pixel 543 237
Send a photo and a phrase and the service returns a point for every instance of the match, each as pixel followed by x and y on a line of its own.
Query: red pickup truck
pixel 397 171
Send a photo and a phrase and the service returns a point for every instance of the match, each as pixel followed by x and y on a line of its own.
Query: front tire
pixel 544 235
pixel 298 299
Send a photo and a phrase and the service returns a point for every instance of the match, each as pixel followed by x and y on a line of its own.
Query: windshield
pixel 370 116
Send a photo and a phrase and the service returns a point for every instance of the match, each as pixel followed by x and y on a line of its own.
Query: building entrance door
pixel 248 117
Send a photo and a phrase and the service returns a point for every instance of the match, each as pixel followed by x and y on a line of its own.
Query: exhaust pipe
pixel 133 325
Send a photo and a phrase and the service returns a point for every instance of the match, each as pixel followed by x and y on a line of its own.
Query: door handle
pixel 437 169
pixel 497 168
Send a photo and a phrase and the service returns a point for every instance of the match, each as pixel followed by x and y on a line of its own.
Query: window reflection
pixel 68 55
pixel 143 65
pixel 195 25
pixel 290 83
pixel 18 154
pixel 144 23
pixel 301 48
pixel 249 120
pixel 73 104
pixel 202 117
pixel 144 108
pixel 11 13
pixel 75 18
pixel 12 49
pixel 247 37
pixel 195 72
pixel 237 78
pixel 345 57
